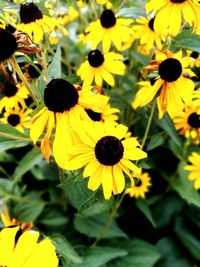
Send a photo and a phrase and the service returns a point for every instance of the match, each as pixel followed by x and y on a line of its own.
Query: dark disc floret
pixel 107 19
pixel 95 116
pixel 10 89
pixel 95 58
pixel 151 24
pixel 194 120
pixel 29 12
pixel 60 95
pixel 33 73
pixel 137 182
pixel 109 150
pixel 170 69
pixel 194 54
pixel 8 44
pixel 13 119
pixel 177 1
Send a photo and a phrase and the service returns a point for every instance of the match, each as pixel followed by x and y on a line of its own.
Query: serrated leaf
pixel 97 256
pixel 65 249
pixel 27 162
pixel 92 226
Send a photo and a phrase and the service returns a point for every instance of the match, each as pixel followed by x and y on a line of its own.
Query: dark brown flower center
pixel 194 54
pixel 29 12
pixel 109 150
pixel 60 95
pixel 177 1
pixel 170 69
pixel 10 89
pixel 95 116
pixel 137 182
pixel 151 24
pixel 8 44
pixel 95 58
pixel 13 119
pixel 33 73
pixel 194 120
pixel 107 19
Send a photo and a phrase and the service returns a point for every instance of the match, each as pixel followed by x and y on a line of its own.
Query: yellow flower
pixel 34 23
pixel 170 13
pixel 22 249
pixel 188 123
pixel 14 95
pixel 144 31
pixel 107 3
pixel 194 58
pixel 99 66
pixel 171 88
pixel 106 151
pixel 140 187
pixel 109 29
pixel 107 114
pixel 194 169
pixel 64 105
pixel 17 117
pixel 196 98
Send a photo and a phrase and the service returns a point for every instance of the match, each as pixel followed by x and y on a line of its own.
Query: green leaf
pixel 188 238
pixel 155 141
pixel 97 256
pixel 188 40
pixel 28 212
pixel 27 162
pixel 93 226
pixel 6 130
pixel 94 205
pixel 65 249
pixel 131 12
pixel 184 187
pixel 170 254
pixel 166 208
pixel 7 143
pixel 140 254
pixel 54 69
pixel 167 125
pixel 142 205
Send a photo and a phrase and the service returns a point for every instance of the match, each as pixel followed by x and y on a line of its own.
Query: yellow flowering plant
pixel 99 133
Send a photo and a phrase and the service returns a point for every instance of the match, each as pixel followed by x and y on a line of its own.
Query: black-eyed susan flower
pixel 188 123
pixel 22 249
pixel 194 58
pixel 100 66
pixel 64 106
pixel 172 88
pixel 141 184
pixel 169 14
pixel 107 114
pixel 109 29
pixel 196 98
pixel 14 94
pixel 144 31
pixel 194 169
pixel 34 23
pixel 17 117
pixel 106 151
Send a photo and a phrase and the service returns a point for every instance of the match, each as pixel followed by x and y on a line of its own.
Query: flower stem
pixel 148 125
pixel 110 219
pixel 23 78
